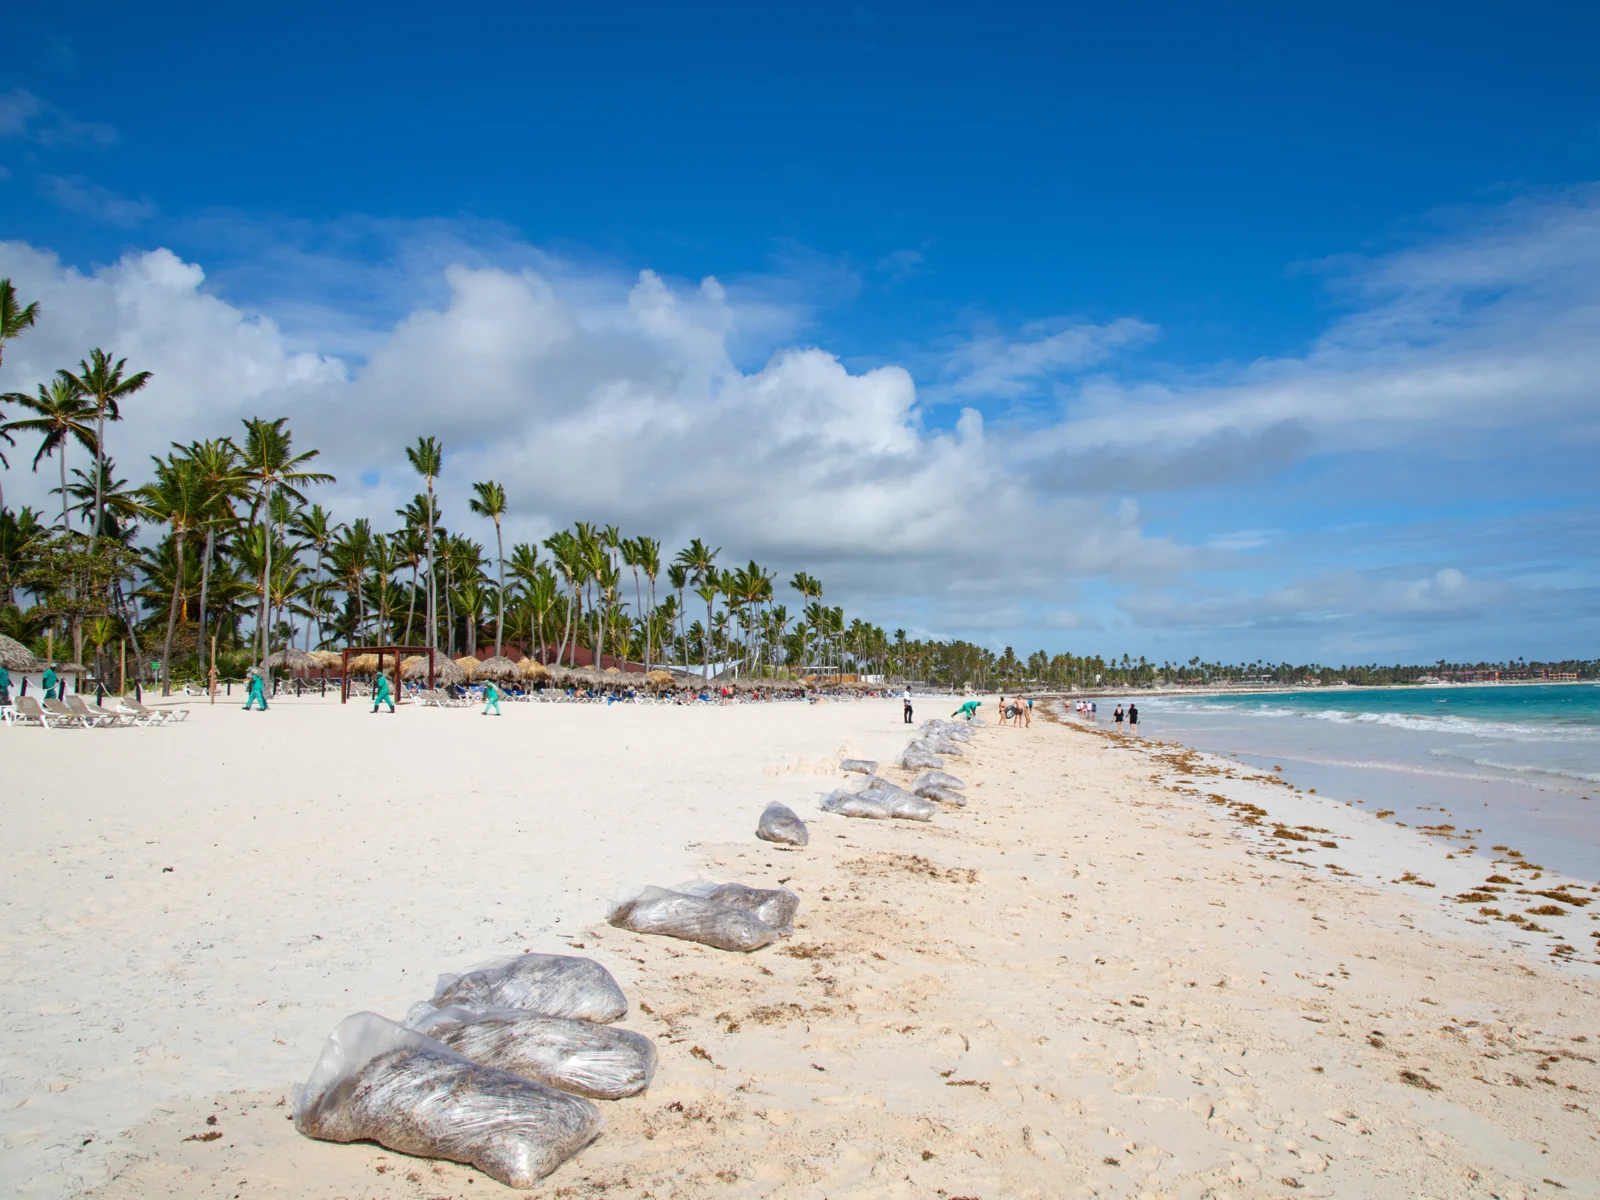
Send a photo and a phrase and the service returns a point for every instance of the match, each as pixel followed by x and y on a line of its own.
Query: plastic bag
pixel 379 1081
pixel 552 985
pixel 598 1061
pixel 916 758
pixel 774 906
pixel 944 795
pixel 958 731
pixel 901 802
pixel 860 766
pixel 692 918
pixel 779 823
pixel 879 805
pixel 940 745
pixel 934 779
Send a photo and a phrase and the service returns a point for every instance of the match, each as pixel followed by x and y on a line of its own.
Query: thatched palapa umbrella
pixel 445 672
pixel 658 678
pixel 14 656
pixel 364 664
pixel 535 672
pixel 469 664
pixel 294 659
pixel 327 659
pixel 498 668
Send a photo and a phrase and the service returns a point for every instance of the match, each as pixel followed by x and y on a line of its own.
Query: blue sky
pixel 1274 329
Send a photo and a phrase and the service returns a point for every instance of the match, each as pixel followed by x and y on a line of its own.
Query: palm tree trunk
pixel 205 581
pixel 172 614
pixel 500 619
pixel 411 602
pixel 433 591
pixel 99 473
pixel 705 667
pixel 561 650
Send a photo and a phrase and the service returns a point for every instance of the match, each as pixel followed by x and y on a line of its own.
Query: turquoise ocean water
pixel 1521 762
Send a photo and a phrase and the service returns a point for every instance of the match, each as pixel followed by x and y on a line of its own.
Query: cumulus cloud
pixel 687 408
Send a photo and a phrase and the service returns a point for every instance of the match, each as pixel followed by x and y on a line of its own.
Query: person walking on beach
pixel 5 685
pixel 491 698
pixel 257 690
pixel 1117 716
pixel 1025 711
pixel 1004 720
pixel 382 695
pixel 50 678
pixel 966 710
pixel 908 705
pixel 1133 719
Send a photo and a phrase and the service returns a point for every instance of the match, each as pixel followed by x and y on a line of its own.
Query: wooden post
pixel 211 672
pixel 122 673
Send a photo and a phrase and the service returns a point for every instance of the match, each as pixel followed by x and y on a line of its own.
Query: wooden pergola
pixel 399 652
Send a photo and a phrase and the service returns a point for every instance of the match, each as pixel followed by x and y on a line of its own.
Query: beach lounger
pixel 160 715
pixel 94 713
pixel 59 714
pixel 29 712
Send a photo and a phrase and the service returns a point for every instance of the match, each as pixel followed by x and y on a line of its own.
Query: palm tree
pixel 490 501
pixel 647 553
pixel 178 498
pixel 61 414
pixel 218 464
pixel 678 580
pixel 20 534
pixel 427 459
pixel 698 558
pixel 269 464
pixel 564 548
pixel 411 550
pixel 100 380
pixel 15 318
pixel 351 552
pixel 316 530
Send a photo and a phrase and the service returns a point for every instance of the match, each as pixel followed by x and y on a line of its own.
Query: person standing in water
pixel 491 698
pixel 382 695
pixel 1117 716
pixel 1133 719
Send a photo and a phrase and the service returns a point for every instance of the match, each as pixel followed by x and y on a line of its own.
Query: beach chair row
pixel 86 714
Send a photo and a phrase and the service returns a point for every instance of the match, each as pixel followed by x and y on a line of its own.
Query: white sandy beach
pixel 1094 980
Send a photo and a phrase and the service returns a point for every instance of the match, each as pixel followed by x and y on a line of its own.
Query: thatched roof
pixel 14 656
pixel 328 658
pixel 613 671
pixel 658 678
pixel 534 671
pixel 469 664
pixel 499 667
pixel 295 660
pixel 364 664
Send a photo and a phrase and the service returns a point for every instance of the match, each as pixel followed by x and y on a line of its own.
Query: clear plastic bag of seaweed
pixel 901 803
pixel 879 804
pixel 934 779
pixel 692 918
pixel 775 906
pixel 780 823
pixel 379 1081
pixel 857 766
pixel 598 1061
pixel 918 757
pixel 940 745
pixel 854 804
pixel 552 985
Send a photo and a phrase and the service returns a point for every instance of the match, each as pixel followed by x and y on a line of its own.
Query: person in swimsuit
pixel 1003 712
pixel 1133 718
pixel 1117 717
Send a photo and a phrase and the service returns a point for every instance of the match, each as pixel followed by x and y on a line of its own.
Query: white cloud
pixel 87 199
pixel 592 401
pixel 991 365
pixel 24 115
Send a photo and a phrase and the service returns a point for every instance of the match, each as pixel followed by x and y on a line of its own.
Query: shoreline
pixel 1096 977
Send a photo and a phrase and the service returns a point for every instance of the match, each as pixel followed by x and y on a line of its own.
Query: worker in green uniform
pixel 50 678
pixel 258 690
pixel 966 710
pixel 491 698
pixel 382 696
